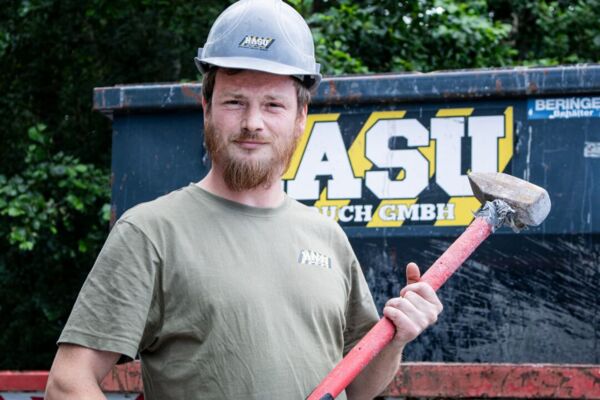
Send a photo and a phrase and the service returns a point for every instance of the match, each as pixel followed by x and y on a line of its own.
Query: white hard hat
pixel 261 35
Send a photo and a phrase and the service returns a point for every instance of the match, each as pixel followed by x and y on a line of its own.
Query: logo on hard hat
pixel 256 42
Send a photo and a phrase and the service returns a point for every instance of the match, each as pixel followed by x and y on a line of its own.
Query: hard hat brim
pixel 258 64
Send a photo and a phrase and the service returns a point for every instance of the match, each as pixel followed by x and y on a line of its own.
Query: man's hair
pixel 208 86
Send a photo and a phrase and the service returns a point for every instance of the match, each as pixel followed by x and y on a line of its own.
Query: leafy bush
pixel 53 220
pixel 358 36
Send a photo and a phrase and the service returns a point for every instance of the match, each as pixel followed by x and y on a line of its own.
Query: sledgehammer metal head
pixel 530 203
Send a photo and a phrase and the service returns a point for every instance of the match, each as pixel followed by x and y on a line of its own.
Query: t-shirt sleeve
pixel 361 313
pixel 112 309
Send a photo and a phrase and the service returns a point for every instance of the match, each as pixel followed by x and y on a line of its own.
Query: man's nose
pixel 253 119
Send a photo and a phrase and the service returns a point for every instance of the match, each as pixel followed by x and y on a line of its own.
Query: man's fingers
pixel 429 310
pixel 406 327
pixel 423 289
pixel 416 309
pixel 400 303
pixel 412 273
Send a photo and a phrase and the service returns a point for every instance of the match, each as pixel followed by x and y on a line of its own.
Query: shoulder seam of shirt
pixel 154 246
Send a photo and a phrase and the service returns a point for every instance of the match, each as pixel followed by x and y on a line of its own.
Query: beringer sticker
pixel 563 108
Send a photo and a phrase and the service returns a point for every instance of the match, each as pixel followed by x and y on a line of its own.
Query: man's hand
pixel 415 310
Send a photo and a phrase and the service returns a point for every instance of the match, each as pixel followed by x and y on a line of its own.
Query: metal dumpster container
pixel 387 156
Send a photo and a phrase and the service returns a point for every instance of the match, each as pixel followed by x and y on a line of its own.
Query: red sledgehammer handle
pixel 383 332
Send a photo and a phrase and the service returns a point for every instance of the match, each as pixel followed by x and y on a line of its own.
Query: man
pixel 229 289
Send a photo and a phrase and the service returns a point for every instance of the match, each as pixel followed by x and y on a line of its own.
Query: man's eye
pixel 233 102
pixel 275 105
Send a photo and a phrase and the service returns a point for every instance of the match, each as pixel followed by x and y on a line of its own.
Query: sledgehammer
pixel 506 201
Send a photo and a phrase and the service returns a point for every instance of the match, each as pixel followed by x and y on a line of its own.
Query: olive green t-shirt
pixel 223 300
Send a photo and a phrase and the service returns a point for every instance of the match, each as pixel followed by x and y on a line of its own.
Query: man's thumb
pixel 412 273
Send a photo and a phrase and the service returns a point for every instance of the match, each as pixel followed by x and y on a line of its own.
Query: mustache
pixel 248 135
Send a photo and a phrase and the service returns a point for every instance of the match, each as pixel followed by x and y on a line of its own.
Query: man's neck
pixel 264 196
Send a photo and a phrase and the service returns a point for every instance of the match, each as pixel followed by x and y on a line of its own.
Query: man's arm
pixel 77 372
pixel 415 310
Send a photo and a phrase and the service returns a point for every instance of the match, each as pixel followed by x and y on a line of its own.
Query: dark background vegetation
pixel 55 152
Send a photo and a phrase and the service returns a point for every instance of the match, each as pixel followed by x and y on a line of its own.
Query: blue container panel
pixel 518 299
pixel 154 154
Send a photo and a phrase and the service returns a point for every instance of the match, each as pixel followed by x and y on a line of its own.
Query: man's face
pixel 252 127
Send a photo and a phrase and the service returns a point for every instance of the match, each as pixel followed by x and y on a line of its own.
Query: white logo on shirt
pixel 311 257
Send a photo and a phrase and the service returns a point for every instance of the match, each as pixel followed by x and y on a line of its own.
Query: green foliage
pixel 53 219
pixel 552 32
pixel 54 52
pixel 382 36
pixel 426 35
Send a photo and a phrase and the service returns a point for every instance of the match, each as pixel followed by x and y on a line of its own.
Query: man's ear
pixel 302 120
pixel 204 106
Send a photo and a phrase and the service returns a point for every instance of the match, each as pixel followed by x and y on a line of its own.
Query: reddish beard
pixel 242 174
